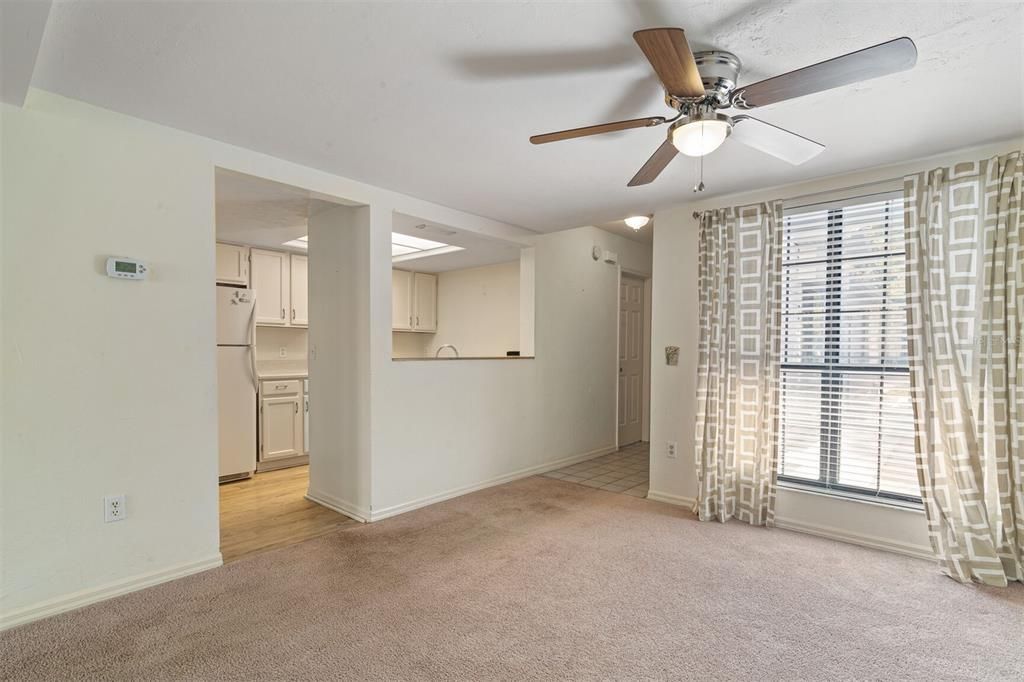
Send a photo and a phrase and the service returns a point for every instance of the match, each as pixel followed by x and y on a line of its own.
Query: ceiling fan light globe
pixel 700 137
pixel 637 221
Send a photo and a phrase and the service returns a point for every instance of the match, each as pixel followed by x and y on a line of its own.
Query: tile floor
pixel 624 471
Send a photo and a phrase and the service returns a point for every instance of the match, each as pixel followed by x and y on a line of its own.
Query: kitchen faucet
pixel 447 345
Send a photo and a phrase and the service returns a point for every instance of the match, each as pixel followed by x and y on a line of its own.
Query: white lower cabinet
pixel 305 420
pixel 282 417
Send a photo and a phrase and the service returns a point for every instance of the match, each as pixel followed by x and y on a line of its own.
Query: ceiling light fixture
pixel 701 134
pixel 637 221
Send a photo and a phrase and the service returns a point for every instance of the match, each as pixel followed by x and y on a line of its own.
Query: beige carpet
pixel 542 579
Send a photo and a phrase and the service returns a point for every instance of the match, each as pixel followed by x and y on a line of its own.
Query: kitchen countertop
pixel 282 370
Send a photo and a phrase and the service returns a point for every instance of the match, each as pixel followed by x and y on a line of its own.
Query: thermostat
pixel 126 268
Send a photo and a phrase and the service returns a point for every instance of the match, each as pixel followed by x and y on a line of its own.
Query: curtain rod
pixel 697 214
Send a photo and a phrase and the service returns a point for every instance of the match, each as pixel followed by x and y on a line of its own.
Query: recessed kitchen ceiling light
pixel 637 221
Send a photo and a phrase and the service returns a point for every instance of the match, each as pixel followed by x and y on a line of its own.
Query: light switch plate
pixel 672 355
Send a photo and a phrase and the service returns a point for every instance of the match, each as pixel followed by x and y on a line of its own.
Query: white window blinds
pixel 846 422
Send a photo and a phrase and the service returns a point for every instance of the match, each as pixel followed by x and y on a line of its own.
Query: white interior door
pixel 631 359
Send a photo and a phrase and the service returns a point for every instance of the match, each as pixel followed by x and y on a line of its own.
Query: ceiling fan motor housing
pixel 719 71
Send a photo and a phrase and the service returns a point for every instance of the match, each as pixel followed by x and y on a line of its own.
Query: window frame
pixel 832 373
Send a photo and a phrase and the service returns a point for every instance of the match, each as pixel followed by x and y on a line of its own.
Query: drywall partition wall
pixel 339 367
pixel 478 310
pixel 445 428
pixel 673 389
pixel 109 386
pixel 527 300
pixel 128 402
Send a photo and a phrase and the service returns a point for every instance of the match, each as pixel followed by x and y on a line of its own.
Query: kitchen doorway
pixel 263 369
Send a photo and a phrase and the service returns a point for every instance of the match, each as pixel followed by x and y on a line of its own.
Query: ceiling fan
pixel 699 85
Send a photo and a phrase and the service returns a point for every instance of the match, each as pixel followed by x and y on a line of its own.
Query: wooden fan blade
pixel 652 169
pixel 771 139
pixel 871 62
pixel 667 51
pixel 598 129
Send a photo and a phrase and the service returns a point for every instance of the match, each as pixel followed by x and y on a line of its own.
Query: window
pixel 846 422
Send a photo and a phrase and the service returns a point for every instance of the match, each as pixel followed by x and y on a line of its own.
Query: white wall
pixel 478 310
pixel 673 397
pixel 110 386
pixel 340 382
pixel 514 416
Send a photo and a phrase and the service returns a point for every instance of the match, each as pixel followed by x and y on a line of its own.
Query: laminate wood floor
pixel 268 511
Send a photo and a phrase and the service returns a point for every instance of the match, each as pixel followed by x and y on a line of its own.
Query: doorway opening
pixel 263 369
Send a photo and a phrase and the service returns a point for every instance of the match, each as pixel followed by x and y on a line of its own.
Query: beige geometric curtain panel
pixel 740 285
pixel 965 298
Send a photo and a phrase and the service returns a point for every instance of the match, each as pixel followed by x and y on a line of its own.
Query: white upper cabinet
pixel 413 301
pixel 281 283
pixel 232 264
pixel 401 300
pixel 424 302
pixel 299 291
pixel 271 280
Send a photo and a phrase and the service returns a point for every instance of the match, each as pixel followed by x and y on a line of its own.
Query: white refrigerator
pixel 236 382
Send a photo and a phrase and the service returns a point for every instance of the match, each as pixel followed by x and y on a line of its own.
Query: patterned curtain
pixel 738 365
pixel 965 299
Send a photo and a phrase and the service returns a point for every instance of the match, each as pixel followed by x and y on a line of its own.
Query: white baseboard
pixel 828 532
pixel 394 510
pixel 337 504
pixel 842 535
pixel 687 502
pixel 77 600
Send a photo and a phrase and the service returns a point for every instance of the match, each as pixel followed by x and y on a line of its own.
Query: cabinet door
pixel 401 300
pixel 232 264
pixel 300 291
pixel 270 281
pixel 280 427
pixel 425 297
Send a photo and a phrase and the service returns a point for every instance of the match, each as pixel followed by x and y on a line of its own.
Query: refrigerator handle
pixel 252 349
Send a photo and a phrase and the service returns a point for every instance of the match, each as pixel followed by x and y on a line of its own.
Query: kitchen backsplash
pixel 270 341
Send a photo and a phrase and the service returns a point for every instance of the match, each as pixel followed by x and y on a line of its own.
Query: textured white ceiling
pixel 437 100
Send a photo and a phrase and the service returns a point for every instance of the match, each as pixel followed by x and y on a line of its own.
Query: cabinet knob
pixel 282 314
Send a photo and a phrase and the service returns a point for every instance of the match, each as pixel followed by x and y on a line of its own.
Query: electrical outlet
pixel 282 351
pixel 670 450
pixel 113 508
